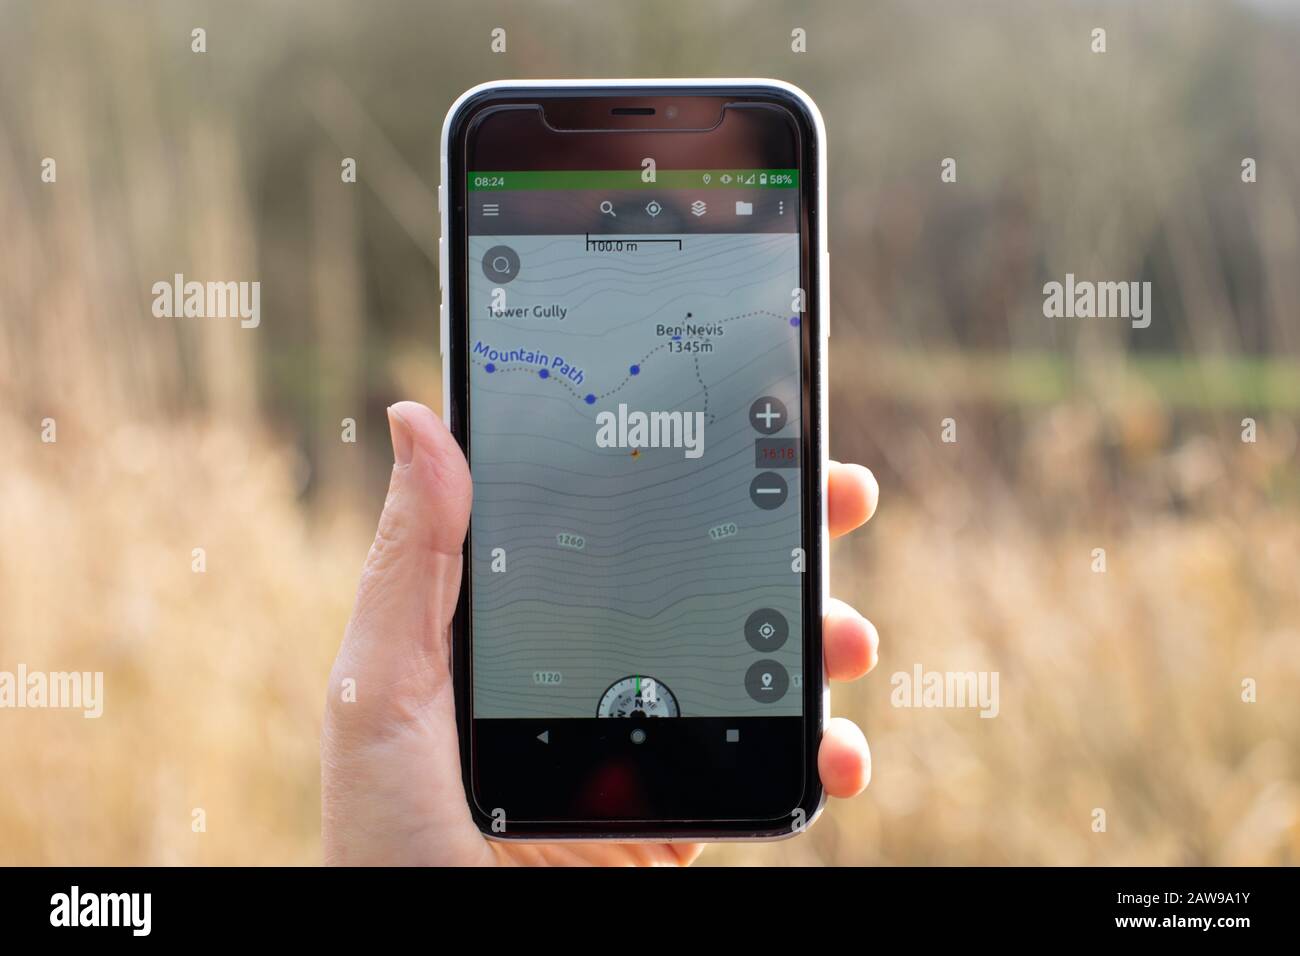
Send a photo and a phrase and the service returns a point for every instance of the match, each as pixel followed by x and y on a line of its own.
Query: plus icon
pixel 767 415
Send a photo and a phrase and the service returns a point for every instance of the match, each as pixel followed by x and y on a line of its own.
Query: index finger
pixel 852 497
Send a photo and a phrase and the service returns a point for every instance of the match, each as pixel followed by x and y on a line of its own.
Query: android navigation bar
pixel 631 212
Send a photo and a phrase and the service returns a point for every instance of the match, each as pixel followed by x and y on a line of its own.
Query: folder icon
pixel 744 208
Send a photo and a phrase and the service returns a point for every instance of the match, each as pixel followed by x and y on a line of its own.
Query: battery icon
pixel 762 179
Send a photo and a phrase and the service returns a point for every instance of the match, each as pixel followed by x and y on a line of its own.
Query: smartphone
pixel 634 278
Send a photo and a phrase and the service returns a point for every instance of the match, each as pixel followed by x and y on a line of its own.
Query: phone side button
pixel 826 295
pixel 446 390
pixel 442 327
pixel 442 294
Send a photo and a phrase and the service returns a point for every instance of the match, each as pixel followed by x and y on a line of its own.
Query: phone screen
pixel 634 367
pixel 634 354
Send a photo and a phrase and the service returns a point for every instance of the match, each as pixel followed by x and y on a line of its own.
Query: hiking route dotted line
pixel 498 370
pixel 526 368
pixel 707 417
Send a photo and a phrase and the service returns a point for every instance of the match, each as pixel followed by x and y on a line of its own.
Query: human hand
pixel 391 788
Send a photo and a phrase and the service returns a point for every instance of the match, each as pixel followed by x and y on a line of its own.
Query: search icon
pixel 607 208
pixel 501 264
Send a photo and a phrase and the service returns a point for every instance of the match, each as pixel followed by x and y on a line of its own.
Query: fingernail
pixel 403 443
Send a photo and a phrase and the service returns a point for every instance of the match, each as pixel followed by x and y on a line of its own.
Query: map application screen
pixel 635 429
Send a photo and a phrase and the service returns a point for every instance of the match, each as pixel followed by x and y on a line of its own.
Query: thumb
pixel 411 579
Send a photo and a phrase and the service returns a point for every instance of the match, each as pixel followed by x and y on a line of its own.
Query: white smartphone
pixel 634 282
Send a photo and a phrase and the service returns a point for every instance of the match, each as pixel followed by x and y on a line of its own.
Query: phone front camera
pixel 671 112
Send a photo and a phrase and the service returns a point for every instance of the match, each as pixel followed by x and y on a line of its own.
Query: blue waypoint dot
pixel 635 370
pixel 591 399
pixel 490 367
pixel 544 373
pixel 794 321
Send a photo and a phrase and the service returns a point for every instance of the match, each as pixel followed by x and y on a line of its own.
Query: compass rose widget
pixel 637 696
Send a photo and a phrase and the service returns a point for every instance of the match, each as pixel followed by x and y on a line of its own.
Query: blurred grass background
pixel 1119 690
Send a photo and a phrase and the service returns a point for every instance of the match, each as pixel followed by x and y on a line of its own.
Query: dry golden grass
pixel 213 681
pixel 1119 691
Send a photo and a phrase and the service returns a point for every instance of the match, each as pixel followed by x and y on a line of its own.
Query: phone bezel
pixel 813 269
